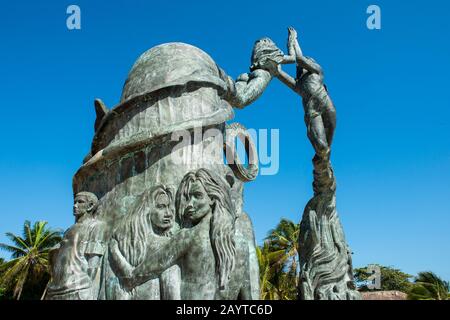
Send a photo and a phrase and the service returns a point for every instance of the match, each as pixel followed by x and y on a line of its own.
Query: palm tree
pixel 428 286
pixel 29 256
pixel 284 240
pixel 2 290
pixel 267 261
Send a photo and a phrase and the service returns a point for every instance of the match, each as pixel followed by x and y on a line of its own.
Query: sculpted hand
pixel 127 283
pixel 274 68
pixel 277 71
pixel 123 268
pixel 292 40
pixel 292 34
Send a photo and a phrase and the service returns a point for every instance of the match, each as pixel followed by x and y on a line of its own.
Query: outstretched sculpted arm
pixel 155 262
pixel 286 79
pixel 293 47
pixel 247 88
pixel 295 50
pixel 167 254
pixel 309 64
pixel 118 263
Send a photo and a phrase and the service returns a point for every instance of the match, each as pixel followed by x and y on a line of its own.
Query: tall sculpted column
pixel 325 258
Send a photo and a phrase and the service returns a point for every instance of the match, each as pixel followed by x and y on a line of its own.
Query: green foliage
pixel 265 272
pixel 278 262
pixel 27 271
pixel 391 279
pixel 428 286
pixel 2 290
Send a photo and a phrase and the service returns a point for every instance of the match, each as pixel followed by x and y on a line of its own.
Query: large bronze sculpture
pixel 172 224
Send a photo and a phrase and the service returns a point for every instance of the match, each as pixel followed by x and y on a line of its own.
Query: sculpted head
pixel 152 214
pixel 84 203
pixel 201 193
pixel 265 55
pixel 161 212
pixel 198 203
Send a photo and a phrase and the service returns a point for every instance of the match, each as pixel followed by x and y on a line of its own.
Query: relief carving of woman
pixel 145 228
pixel 211 253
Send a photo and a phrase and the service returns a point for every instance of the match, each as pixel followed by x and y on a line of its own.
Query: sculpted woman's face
pixel 162 214
pixel 199 203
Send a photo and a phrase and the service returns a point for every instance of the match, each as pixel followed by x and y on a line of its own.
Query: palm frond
pixel 15 268
pixel 21 282
pixel 30 256
pixel 18 241
pixel 12 249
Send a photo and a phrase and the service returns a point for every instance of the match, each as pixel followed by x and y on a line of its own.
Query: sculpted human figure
pixel 249 86
pixel 212 255
pixel 75 262
pixel 150 225
pixel 324 256
pixel 320 114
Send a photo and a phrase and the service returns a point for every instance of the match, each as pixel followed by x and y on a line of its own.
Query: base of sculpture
pixel 325 258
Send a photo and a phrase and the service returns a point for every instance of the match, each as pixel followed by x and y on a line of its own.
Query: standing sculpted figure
pixel 325 258
pixel 320 114
pixel 145 229
pixel 75 262
pixel 211 253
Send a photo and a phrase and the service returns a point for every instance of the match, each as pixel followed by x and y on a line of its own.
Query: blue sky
pixel 391 152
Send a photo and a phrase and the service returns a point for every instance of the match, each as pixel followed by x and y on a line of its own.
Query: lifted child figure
pixel 320 114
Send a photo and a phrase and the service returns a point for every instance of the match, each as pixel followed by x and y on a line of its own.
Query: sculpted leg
pixel 317 135
pixel 329 122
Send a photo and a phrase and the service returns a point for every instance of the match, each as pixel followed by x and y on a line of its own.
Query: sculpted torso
pixel 199 261
pixel 309 84
pixel 71 259
pixel 199 279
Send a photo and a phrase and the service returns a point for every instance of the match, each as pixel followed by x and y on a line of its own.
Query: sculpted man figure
pixel 324 256
pixel 320 114
pixel 211 253
pixel 75 262
pixel 145 229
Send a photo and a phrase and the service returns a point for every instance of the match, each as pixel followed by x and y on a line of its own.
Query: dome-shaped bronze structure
pixel 170 64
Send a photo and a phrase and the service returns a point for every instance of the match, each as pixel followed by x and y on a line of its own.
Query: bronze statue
pixel 320 113
pixel 76 261
pixel 210 251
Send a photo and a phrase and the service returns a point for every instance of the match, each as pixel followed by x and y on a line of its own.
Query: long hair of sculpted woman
pixel 133 237
pixel 222 221
pixel 213 261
